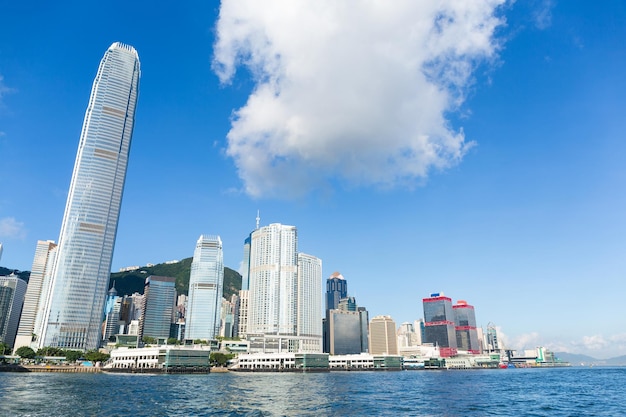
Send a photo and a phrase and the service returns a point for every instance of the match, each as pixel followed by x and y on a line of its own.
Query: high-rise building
pixel 81 273
pixel 159 302
pixel 280 317
pixel 439 323
pixel 273 280
pixel 465 327
pixel 336 289
pixel 242 316
pixel 344 332
pixel 206 281
pixel 0 250
pixel 383 339
pixel 309 302
pixel 12 291
pixel 36 292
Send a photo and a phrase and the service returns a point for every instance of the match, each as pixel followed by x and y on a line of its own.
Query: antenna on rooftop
pixel 258 219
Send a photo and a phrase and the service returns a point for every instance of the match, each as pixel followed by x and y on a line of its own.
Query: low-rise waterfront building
pixel 167 358
pixel 277 362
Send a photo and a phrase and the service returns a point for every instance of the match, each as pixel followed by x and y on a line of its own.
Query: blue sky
pixel 481 156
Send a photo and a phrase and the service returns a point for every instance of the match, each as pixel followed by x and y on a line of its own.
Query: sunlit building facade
pixel 36 292
pixel 81 273
pixel 206 283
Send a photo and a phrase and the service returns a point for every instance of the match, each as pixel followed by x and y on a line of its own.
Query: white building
pixel 383 339
pixel 284 307
pixel 81 273
pixel 310 302
pixel 202 319
pixel 36 294
pixel 159 357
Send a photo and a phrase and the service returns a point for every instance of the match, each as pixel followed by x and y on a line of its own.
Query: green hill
pixel 130 282
pixel 22 274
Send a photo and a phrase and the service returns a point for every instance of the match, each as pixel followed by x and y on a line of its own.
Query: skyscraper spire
pixel 258 219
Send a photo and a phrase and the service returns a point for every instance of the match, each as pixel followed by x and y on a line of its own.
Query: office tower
pixel 83 266
pixel 242 316
pixel 309 302
pixel 112 322
pixel 465 327
pixel 347 304
pixel 336 289
pixel 205 289
pixel 245 266
pixel 383 339
pixel 344 332
pixel 0 251
pixel 492 340
pixel 273 280
pixel 159 300
pixel 365 328
pixel 439 326
pixel 12 291
pixel 36 292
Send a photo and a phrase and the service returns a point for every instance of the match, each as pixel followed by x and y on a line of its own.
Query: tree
pixel 95 356
pixel 173 341
pixel 219 358
pixel 148 340
pixel 5 349
pixel 73 355
pixel 50 351
pixel 25 352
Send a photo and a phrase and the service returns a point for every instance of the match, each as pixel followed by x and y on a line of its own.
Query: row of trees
pixel 26 352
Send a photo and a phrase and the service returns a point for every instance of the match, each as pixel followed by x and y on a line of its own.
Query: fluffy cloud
pixel 4 90
pixel 11 228
pixel 358 92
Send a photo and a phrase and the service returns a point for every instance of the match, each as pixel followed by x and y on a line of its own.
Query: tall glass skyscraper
pixel 81 273
pixel 202 320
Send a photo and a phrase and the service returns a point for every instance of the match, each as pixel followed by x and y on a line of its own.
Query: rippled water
pixel 511 392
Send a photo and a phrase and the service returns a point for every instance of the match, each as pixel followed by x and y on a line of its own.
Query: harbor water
pixel 509 392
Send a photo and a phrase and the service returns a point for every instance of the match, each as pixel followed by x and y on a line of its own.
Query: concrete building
pixel 168 358
pixel 383 339
pixel 12 292
pixel 36 294
pixel 277 322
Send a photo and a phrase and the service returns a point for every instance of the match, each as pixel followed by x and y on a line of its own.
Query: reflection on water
pixel 411 393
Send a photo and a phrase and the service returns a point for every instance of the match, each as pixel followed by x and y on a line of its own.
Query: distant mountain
pixel 25 275
pixel 585 360
pixel 129 282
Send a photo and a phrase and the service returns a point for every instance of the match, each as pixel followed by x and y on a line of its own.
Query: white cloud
pixel 11 228
pixel 542 15
pixel 355 92
pixel 4 90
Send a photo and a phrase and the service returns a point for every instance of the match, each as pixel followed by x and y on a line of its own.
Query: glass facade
pixel 439 321
pixel 158 310
pixel 345 332
pixel 81 273
pixel 206 283
pixel 12 291
pixel 336 289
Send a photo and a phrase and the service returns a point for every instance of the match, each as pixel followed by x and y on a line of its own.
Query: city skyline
pixel 521 207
